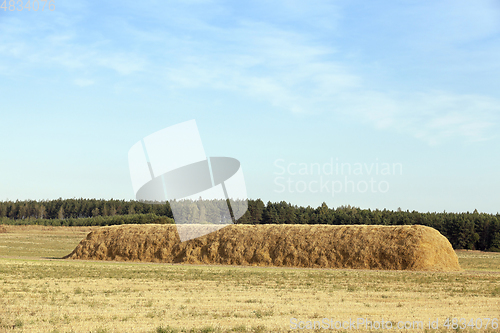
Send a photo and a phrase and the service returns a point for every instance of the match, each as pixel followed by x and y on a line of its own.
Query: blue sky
pixel 283 86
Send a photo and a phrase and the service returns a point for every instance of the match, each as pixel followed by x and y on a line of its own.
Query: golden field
pixel 39 293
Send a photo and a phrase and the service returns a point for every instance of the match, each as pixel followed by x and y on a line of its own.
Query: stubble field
pixel 39 293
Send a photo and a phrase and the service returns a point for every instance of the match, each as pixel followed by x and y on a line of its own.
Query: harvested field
pixel 47 295
pixel 317 246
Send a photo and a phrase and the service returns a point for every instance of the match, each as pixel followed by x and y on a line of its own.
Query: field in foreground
pixel 39 294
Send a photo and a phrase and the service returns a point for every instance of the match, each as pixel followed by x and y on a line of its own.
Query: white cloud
pixel 41 46
pixel 291 72
pixel 83 82
pixel 442 116
pixel 434 117
pixel 122 63
pixel 290 67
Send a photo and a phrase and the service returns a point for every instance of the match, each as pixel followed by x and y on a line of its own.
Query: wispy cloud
pixel 293 73
pixel 434 116
pixel 62 49
pixel 297 67
pixel 83 82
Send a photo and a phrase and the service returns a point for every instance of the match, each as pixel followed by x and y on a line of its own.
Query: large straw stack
pixel 348 246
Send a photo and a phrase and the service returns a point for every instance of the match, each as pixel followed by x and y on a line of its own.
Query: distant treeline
pixel 93 221
pixel 78 208
pixel 474 230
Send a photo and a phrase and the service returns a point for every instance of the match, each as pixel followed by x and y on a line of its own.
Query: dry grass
pixel 82 296
pixel 40 241
pixel 97 296
pixel 362 247
pixel 479 261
